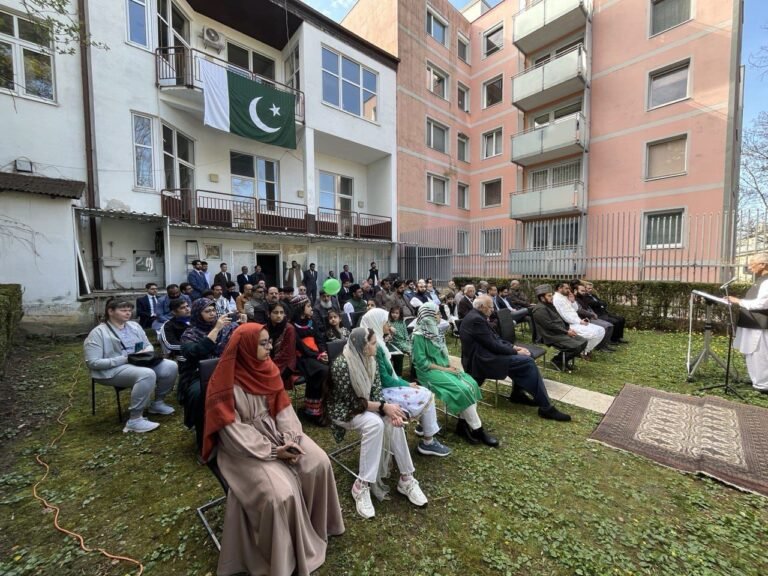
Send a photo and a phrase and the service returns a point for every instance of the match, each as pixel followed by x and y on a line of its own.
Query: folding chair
pixel 117 396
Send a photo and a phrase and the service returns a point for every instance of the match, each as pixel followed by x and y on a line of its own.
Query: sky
pixel 755 35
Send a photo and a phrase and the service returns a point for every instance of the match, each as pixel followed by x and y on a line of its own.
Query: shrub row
pixel 10 316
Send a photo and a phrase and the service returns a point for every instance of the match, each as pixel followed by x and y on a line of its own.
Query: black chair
pixel 335 348
pixel 566 360
pixel 117 396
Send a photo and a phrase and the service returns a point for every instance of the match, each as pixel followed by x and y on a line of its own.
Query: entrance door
pixel 270 266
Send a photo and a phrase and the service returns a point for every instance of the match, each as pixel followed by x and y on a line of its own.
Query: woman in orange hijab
pixel 282 503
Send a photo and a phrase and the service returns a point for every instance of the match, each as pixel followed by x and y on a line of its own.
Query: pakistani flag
pixel 248 108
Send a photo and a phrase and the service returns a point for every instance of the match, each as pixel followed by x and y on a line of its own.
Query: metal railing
pixel 179 66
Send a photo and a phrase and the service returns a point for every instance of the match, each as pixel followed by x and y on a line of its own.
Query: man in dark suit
pixel 148 306
pixel 257 276
pixel 600 307
pixel 346 275
pixel 310 282
pixel 553 330
pixel 196 279
pixel 223 277
pixel 485 355
pixel 243 279
pixel 373 276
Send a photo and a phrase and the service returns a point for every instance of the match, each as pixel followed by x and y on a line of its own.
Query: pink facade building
pixel 564 137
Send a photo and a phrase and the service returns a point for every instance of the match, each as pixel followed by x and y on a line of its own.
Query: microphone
pixel 731 281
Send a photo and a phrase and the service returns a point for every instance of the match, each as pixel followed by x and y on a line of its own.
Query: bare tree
pixel 753 185
pixel 61 24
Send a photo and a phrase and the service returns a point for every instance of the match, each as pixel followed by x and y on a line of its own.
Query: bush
pixel 10 316
pixel 645 305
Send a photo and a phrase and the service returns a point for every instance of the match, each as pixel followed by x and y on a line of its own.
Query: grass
pixel 547 502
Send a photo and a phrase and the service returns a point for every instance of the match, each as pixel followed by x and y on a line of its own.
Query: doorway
pixel 270 266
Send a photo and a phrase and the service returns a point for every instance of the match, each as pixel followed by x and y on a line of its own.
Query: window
pixel 437 189
pixel 668 13
pixel 462 147
pixel 437 81
pixel 143 152
pixel 178 159
pixel 666 157
pixel 462 48
pixel 349 85
pixel 138 22
pixel 336 191
pixel 563 112
pixel 555 176
pixel 254 177
pixel 664 229
pixel 492 193
pixel 437 136
pixel 292 69
pixel 172 25
pixel 493 91
pixel 462 97
pixel 493 40
pixel 492 143
pixel 462 242
pixel 490 242
pixel 252 61
pixel 668 85
pixel 551 234
pixel 26 58
pixel 463 196
pixel 437 27
pixel 565 233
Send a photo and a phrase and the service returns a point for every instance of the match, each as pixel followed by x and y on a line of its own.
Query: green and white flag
pixel 256 110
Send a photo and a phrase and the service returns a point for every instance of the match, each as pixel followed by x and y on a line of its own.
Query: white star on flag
pixel 275 110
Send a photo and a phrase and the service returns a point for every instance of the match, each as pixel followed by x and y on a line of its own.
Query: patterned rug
pixel 704 435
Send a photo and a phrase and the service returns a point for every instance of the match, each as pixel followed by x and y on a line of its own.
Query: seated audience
pixel 402 301
pixel 311 357
pixel 465 304
pixel 148 306
pixel 106 349
pixel 164 314
pixel 600 307
pixel 586 312
pixel 554 331
pixel 171 331
pixel 243 298
pixel 385 298
pixel 356 303
pixel 517 296
pixel 335 331
pixel 283 335
pixel 456 388
pixel 448 311
pixel 400 339
pixel 485 355
pixel 322 308
pixel 221 301
pixel 282 503
pixel 582 327
pixel 420 296
pixel 432 293
pixel 186 292
pixel 356 402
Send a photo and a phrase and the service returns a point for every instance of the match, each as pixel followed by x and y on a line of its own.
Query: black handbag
pixel 140 359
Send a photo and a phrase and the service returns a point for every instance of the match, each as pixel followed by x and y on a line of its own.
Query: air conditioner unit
pixel 213 39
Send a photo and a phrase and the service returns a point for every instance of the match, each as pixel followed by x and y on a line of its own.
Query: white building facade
pixel 161 188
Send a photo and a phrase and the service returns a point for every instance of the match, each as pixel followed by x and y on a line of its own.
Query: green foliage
pixel 10 316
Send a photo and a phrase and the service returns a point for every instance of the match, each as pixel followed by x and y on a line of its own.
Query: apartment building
pixel 564 137
pixel 111 178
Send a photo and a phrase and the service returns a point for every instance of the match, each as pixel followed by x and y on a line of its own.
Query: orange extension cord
pixel 55 508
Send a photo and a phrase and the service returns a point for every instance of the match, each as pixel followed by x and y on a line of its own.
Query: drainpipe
pixel 90 147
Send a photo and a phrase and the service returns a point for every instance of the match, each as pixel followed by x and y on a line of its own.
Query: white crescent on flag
pixel 255 117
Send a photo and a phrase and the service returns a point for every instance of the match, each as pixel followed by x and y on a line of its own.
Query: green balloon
pixel 331 286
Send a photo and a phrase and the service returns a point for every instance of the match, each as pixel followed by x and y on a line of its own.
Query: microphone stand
pixel 727 386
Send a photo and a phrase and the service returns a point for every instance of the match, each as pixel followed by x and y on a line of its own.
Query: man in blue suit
pixel 148 306
pixel 196 279
pixel 172 291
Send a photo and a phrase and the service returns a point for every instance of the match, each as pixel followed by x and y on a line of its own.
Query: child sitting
pixel 335 329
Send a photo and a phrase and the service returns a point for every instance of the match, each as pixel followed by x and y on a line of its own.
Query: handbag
pixel 140 359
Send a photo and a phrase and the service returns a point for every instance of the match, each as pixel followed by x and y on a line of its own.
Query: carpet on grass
pixel 703 435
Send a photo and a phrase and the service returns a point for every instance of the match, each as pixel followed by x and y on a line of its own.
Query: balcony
pixel 544 21
pixel 563 137
pixel 178 70
pixel 552 262
pixel 550 81
pixel 561 200
pixel 210 208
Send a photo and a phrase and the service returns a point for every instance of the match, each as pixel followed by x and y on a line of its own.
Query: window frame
pixel 151 147
pixel 492 30
pixel 652 3
pixel 177 162
pixel 255 158
pixel 462 88
pixel 648 144
pixel 501 192
pixel 431 125
pixel 670 68
pixel 485 91
pixel 437 71
pixel 462 138
pixel 660 214
pixel 340 80
pixel 147 23
pixel 251 53
pixel 462 242
pixel 467 200
pixel 461 39
pixel 500 139
pixel 484 243
pixel 436 16
pixel 18 48
pixel 431 177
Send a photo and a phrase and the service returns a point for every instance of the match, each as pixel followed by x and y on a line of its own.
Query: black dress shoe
pixel 462 429
pixel 481 435
pixel 608 349
pixel 519 397
pixel 552 413
pixel 620 341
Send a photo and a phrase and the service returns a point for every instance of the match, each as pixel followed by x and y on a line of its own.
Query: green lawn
pixel 547 502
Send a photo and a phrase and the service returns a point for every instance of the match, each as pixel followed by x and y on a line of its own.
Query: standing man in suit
pixel 148 306
pixel 196 279
pixel 223 277
pixel 373 277
pixel 207 274
pixel 293 276
pixel 346 275
pixel 257 275
pixel 310 282
pixel 243 278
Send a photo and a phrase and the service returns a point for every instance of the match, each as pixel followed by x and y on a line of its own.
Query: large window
pixel 553 234
pixel 437 136
pixel 26 57
pixel 138 22
pixel 492 143
pixel 664 229
pixel 555 175
pixel 493 91
pixel 292 69
pixel 172 25
pixel 490 242
pixel 462 147
pixel 254 177
pixel 493 40
pixel 668 13
pixel 492 193
pixel 437 27
pixel 249 60
pixel 437 189
pixel 437 81
pixel 178 159
pixel 463 196
pixel 462 48
pixel 462 97
pixel 349 85
pixel 666 157
pixel 462 242
pixel 336 191
pixel 668 85
pixel 143 152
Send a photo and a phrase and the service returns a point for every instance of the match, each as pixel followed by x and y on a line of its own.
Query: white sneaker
pixel 160 407
pixel 363 502
pixel 412 491
pixel 140 425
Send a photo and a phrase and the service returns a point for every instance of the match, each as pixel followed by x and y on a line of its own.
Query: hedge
pixel 645 305
pixel 10 316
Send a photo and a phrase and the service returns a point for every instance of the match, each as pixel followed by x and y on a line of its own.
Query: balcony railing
pixel 563 137
pixel 561 199
pixel 179 67
pixel 543 22
pixel 551 80
pixel 211 208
